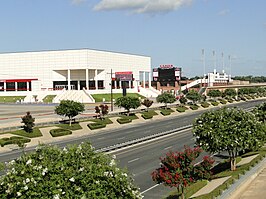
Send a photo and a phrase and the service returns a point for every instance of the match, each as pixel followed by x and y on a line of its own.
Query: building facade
pixel 71 70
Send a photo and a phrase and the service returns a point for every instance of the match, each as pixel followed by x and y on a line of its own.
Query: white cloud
pixel 141 6
pixel 77 1
pixel 224 12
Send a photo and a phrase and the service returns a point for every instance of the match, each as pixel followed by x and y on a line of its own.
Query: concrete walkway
pixel 210 186
pixel 246 160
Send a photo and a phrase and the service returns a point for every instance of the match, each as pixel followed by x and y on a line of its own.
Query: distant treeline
pixel 250 78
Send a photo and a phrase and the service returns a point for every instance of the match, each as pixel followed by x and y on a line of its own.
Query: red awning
pixel 17 80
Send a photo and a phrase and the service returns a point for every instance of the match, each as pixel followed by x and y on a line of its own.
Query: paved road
pixel 143 159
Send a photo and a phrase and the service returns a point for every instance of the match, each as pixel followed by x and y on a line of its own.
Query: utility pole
pixel 112 105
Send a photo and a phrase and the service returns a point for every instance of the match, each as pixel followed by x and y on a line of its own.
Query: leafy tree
pixel 178 169
pixel 28 121
pixel 232 130
pixel 193 95
pixel 183 100
pixel 230 92
pixel 128 103
pixel 260 112
pixel 73 172
pixel 214 93
pixel 166 98
pixel 247 91
pixel 97 111
pixel 258 79
pixel 70 109
pixel 104 110
pixel 147 102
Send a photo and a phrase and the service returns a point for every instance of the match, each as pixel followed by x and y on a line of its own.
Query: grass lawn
pixel 189 191
pixel 48 98
pixel 36 133
pixel 73 127
pixel 99 97
pixel 11 99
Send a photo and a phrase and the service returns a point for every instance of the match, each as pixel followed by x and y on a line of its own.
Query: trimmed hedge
pixel 181 109
pixel 123 120
pixel 166 112
pixel 60 132
pixel 230 100
pixel 13 140
pixel 242 98
pixel 222 101
pixel 147 116
pixel 205 104
pixel 194 107
pixel 93 126
pixel 214 103
pixel 74 126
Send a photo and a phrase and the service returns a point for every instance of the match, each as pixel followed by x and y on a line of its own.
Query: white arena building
pixel 73 74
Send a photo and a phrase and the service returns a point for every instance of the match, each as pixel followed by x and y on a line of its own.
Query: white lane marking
pixel 101 138
pixel 168 148
pixel 133 160
pixel 150 188
pixel 121 138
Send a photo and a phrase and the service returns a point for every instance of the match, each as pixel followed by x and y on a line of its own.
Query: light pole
pixel 112 106
pixel 204 65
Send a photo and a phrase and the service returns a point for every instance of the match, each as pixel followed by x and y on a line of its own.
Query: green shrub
pixel 131 116
pixel 214 103
pixel 2 166
pixel 194 107
pixel 60 132
pixel 151 112
pixel 147 116
pixel 248 97
pixel 222 101
pixel 13 140
pixel 166 112
pixel 48 98
pixel 205 104
pixel 230 100
pixel 181 109
pixel 93 126
pixel 123 120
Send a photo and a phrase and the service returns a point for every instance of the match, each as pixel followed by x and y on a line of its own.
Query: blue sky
pixel 170 31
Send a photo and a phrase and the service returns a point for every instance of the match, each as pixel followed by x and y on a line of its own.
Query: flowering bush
pixel 177 168
pixel 74 172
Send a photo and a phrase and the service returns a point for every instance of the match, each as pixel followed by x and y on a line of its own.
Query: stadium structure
pixel 73 74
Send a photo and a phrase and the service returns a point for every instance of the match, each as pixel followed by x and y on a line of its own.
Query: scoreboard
pixel 167 73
